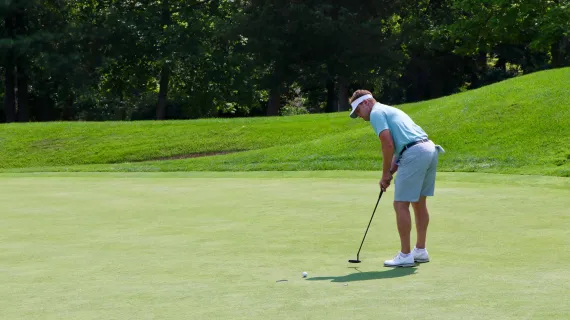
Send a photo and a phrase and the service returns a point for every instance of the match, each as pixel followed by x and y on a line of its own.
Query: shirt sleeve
pixel 379 122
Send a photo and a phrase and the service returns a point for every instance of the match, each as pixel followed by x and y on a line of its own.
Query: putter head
pixel 354 261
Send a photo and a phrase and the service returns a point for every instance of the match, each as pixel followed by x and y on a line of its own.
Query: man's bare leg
pixel 422 221
pixel 404 224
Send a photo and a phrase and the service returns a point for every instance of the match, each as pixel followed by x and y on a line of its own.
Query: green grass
pixel 213 245
pixel 72 143
pixel 517 126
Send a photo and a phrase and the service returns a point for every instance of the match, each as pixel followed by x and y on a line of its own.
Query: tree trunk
pixel 274 101
pixel 23 105
pixel 480 68
pixel 165 72
pixel 120 109
pixel 565 47
pixel 163 92
pixel 343 97
pixel 10 91
pixel 332 105
pixel 67 113
pixel 119 113
pixel 559 51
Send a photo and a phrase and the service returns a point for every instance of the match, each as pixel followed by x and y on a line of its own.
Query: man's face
pixel 364 109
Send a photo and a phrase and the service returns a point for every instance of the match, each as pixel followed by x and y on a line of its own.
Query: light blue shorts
pixel 417 168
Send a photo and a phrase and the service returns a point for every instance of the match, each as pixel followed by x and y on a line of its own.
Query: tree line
pixel 96 60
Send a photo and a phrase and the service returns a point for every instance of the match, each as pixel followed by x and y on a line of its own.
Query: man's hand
pixel 385 182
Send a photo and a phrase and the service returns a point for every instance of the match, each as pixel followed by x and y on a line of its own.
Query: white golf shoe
pixel 420 256
pixel 400 261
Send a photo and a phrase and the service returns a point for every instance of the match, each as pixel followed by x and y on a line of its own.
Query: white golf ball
pixel 304 274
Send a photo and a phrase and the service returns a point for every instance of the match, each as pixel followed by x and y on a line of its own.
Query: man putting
pixel 406 149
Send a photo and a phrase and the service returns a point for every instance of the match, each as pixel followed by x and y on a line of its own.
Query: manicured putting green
pixel 215 245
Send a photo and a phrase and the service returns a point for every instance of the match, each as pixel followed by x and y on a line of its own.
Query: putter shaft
pixel 373 212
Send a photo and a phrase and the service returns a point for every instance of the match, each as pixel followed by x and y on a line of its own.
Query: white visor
pixel 358 101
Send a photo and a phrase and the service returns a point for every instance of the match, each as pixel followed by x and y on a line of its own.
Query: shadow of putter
pixel 370 275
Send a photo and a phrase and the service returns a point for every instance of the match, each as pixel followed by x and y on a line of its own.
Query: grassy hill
pixel 517 126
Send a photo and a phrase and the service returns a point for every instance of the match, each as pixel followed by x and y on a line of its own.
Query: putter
pixel 358 254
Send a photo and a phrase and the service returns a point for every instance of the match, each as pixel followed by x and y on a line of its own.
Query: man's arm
pixel 387 152
pixel 394 167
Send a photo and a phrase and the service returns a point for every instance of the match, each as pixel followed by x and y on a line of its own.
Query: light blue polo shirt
pixel 401 126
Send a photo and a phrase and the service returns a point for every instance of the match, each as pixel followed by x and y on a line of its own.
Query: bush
pixel 289 110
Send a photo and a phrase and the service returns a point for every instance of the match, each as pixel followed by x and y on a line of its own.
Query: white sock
pixel 420 250
pixel 404 255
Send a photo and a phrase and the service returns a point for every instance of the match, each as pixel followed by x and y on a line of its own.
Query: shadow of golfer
pixel 370 275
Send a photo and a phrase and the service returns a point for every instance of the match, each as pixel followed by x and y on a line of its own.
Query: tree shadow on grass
pixel 370 275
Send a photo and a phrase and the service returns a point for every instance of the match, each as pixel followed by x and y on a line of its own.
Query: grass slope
pixel 213 245
pixel 72 143
pixel 517 126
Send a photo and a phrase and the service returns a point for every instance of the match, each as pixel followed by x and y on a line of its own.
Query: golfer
pixel 406 149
